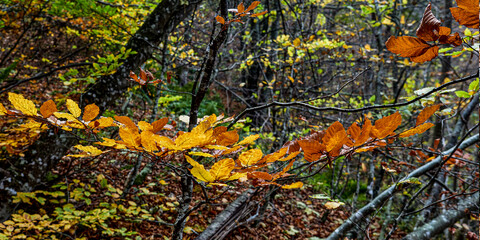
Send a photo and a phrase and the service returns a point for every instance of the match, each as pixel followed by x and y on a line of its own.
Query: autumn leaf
pixel 127 122
pixel 129 137
pixel 240 8
pixel 3 110
pixel 248 140
pixel 220 19
pixel 466 13
pixel 198 171
pixel 334 138
pixel 48 108
pixel 252 6
pixel 410 47
pixel 429 27
pixel 417 130
pixel 260 175
pixel 447 38
pixel 88 151
pixel 428 55
pixel 284 170
pixel 26 106
pixel 148 141
pixel 386 125
pixel 357 135
pixel 426 113
pixel 91 111
pixel 159 124
pixel 227 138
pixel 250 157
pixel 272 157
pixel 73 108
pixel 312 149
pixel 221 170
pixel 201 154
pixel 102 122
pixel 293 185
pixel 333 205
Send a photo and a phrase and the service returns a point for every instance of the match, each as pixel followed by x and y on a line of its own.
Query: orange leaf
pixel 272 157
pixel 428 55
pixel 385 126
pixel 159 124
pixel 417 130
pixel 284 170
pixel 258 14
pixel 260 175
pixel 127 122
pixel 227 138
pixel 429 27
pixel 220 19
pixel 360 136
pixel 466 13
pixel 252 6
pixel 48 108
pixel 334 138
pixel 426 113
pixel 91 111
pixel 102 122
pixel 221 170
pixel 312 150
pixel 240 8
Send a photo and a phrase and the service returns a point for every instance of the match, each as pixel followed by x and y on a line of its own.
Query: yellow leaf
pixel 250 157
pixel 204 125
pixel 91 112
pixel 102 122
pixel 201 174
pixel 129 137
pixel 89 151
pixel 145 126
pixel 48 108
pixel 417 130
pixel 191 161
pixel 73 108
pixel 216 147
pixel 26 106
pixel 221 169
pixel 242 177
pixel 333 205
pixel 3 110
pixel 291 79
pixel 165 142
pixel 296 42
pixel 227 138
pixel 202 154
pixel 248 140
pixel 293 185
pixel 148 141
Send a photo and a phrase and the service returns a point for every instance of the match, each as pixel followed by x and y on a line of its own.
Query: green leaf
pixel 474 86
pixel 462 94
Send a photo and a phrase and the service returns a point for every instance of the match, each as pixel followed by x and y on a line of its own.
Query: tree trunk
pixel 24 174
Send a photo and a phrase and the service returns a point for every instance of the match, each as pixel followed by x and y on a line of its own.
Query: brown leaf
pixel 466 13
pixel 159 124
pixel 426 113
pixel 429 27
pixel 260 175
pixel 407 46
pixel 312 150
pixel 252 6
pixel 48 108
pixel 428 55
pixel 446 38
pixel 240 8
pixel 127 122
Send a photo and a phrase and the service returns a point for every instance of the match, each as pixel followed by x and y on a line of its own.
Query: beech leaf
pixel 417 130
pixel 26 106
pixel 48 108
pixel 250 157
pixel 429 27
pixel 221 170
pixel 466 13
pixel 426 113
pixel 73 108
pixel 91 111
pixel 293 185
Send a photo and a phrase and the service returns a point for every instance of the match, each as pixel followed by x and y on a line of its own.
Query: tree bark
pixel 24 174
pixel 446 219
